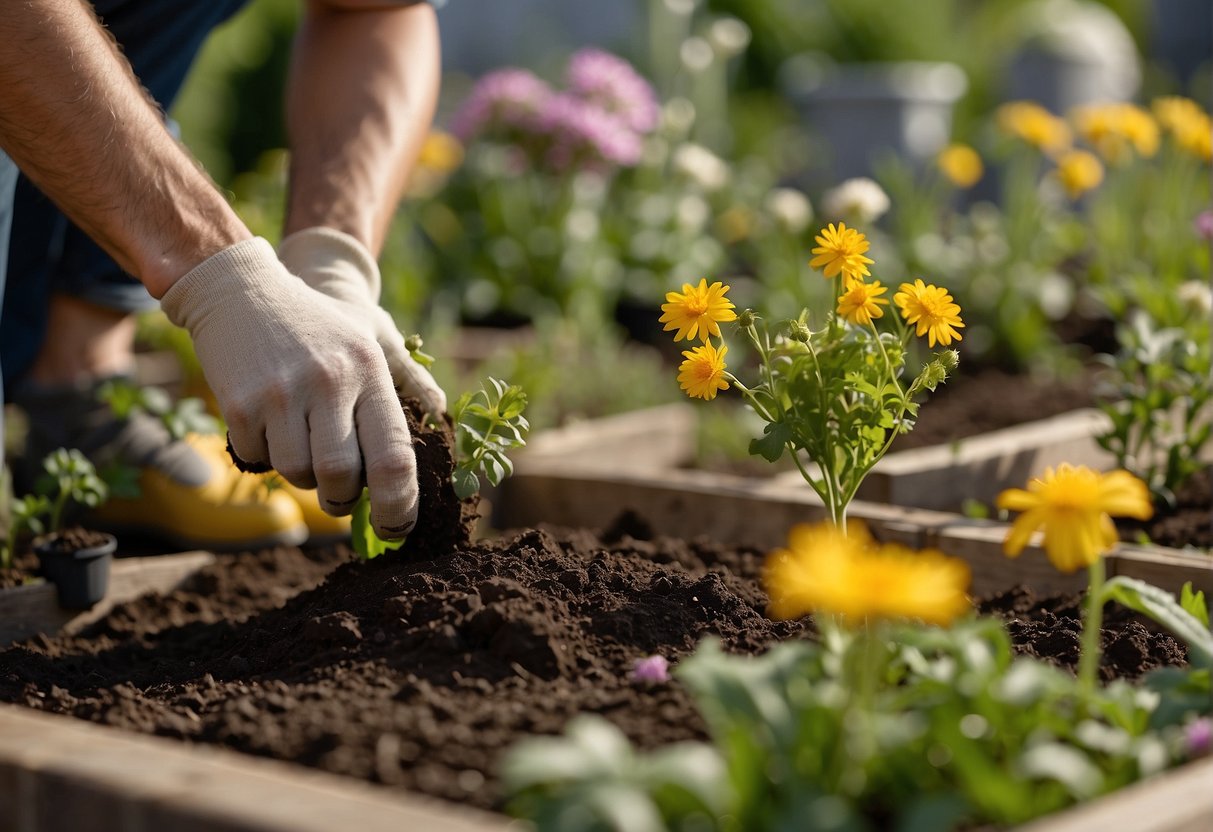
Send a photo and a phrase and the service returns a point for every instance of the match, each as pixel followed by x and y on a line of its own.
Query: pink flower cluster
pixel 600 120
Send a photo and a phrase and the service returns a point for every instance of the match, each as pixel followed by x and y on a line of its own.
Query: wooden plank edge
pixel 758 513
pixel 653 438
pixel 28 610
pixel 59 774
pixel 1174 801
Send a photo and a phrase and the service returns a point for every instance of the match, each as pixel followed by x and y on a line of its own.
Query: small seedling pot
pixel 80 573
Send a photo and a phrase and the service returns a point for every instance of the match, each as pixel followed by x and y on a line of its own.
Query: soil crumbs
pixel 420 673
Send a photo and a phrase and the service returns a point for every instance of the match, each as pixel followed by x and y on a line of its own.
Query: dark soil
pixel 420 669
pixel 1188 523
pixel 73 539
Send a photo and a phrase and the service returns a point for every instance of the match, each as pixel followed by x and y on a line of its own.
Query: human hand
pixel 301 387
pixel 337 265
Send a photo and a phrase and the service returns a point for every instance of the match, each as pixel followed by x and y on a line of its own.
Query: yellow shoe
pixel 321 527
pixel 224 511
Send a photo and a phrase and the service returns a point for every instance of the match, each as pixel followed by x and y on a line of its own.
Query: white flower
pixel 1196 294
pixel 790 209
pixel 729 37
pixel 696 54
pixel 693 213
pixel 701 166
pixel 860 200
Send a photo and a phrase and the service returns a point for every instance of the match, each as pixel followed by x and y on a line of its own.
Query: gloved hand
pixel 300 386
pixel 336 264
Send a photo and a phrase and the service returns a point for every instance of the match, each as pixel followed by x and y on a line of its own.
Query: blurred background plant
pixel 566 193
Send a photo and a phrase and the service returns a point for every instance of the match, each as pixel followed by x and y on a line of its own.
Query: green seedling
pixel 69 478
pixel 25 513
pixel 488 424
pixel 186 416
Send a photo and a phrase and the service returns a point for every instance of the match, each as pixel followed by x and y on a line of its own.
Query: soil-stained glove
pixel 301 387
pixel 336 264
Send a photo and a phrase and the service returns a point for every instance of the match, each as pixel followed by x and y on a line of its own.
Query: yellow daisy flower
pixel 1074 506
pixel 1079 172
pixel 840 250
pixel 932 310
pixel 702 374
pixel 697 311
pixel 1035 125
pixel 961 165
pixel 861 302
pixel 440 152
pixel 1188 124
pixel 1117 130
pixel 822 570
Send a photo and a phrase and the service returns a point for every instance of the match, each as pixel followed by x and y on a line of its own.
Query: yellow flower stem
pixel 1092 624
pixel 837 508
pixel 834 501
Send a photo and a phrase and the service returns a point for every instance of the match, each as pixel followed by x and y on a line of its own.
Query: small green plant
pixel 488 424
pixel 25 513
pixel 186 416
pixel 69 478
pixel 1157 397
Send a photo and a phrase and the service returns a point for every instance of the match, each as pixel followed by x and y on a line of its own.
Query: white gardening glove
pixel 300 386
pixel 339 266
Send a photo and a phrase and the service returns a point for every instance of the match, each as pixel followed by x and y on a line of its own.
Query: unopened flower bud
pixel 797 331
pixel 932 375
pixel 950 359
pixel 746 319
pixel 413 343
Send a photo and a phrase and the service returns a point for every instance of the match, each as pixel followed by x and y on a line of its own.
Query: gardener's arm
pixel 300 387
pixel 363 85
pixel 79 126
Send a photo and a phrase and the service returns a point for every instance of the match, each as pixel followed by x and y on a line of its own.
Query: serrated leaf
pixel 1194 603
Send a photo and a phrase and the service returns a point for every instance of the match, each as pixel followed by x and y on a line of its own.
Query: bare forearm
pixel 77 123
pixel 364 82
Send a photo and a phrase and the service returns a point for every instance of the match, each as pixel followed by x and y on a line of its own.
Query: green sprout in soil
pixel 69 478
pixel 24 513
pixel 488 424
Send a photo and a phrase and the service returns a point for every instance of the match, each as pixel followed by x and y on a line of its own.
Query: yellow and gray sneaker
pixel 190 494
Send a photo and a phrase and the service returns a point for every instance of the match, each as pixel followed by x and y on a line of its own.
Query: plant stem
pixel 1092 623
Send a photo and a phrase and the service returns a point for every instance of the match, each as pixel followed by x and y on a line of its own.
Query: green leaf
pixel 775 436
pixel 366 543
pixel 1194 603
pixel 1162 606
pixel 465 482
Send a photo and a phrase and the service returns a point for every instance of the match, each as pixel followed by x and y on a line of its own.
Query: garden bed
pixel 418 670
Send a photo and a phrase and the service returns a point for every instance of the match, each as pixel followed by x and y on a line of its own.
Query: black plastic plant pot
pixel 78 564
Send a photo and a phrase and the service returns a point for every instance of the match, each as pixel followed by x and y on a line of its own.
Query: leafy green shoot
pixel 488 424
pixel 69 478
